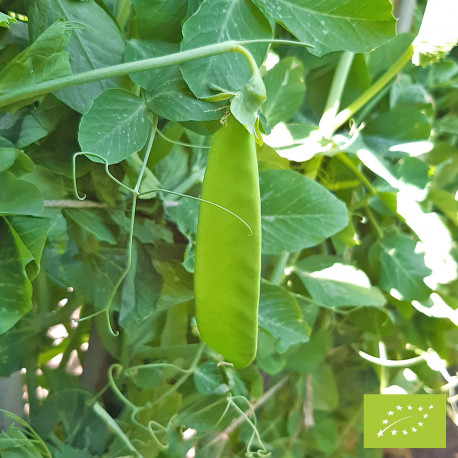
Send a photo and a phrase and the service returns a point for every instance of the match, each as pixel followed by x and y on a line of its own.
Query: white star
pixel 394 432
pixel 398 407
pixel 414 429
pixel 385 422
pixel 404 432
pixel 409 407
pixel 420 423
pixel 420 408
pixel 430 407
pixel 425 415
pixel 380 433
pixel 390 413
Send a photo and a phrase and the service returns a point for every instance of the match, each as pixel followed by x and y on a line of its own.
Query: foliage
pixel 358 180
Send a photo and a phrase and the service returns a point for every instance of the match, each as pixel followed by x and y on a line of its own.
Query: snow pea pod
pixel 228 254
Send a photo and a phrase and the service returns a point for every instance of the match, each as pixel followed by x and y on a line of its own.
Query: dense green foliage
pixel 358 158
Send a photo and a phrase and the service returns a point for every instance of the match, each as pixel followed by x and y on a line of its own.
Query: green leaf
pixel 401 124
pixel 16 297
pixel 216 21
pixel 70 452
pixel 382 58
pixel 177 286
pixel 140 290
pixel 115 126
pixel 33 233
pixel 307 357
pixel 15 160
pixel 42 60
pixel 297 212
pixel 41 122
pixel 246 103
pixel 335 25
pixel 209 379
pixel 285 87
pixel 91 220
pixel 14 344
pixel 184 212
pixel 159 19
pixel 168 95
pixel 12 440
pixel 96 44
pixel 332 283
pixel 324 386
pixel 19 196
pixel 280 315
pixel 5 20
pixel 92 275
pixel 402 269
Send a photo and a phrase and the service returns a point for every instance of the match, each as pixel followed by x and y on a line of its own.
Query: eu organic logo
pixel 404 421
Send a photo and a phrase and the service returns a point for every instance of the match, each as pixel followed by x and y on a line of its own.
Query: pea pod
pixel 228 254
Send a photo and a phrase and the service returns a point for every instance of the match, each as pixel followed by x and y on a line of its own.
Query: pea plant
pixel 223 222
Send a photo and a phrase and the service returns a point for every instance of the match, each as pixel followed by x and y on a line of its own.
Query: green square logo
pixel 404 421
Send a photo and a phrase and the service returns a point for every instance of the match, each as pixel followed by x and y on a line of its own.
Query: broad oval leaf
pixel 280 315
pixel 334 25
pixel 297 212
pixel 96 44
pixel 331 283
pixel 115 127
pixel 168 95
pixel 214 22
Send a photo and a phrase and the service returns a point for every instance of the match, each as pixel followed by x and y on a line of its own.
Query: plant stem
pixel 348 112
pixel 360 175
pixel 278 271
pixel 42 292
pixel 31 382
pixel 147 153
pixel 373 222
pixel 180 57
pixel 122 13
pixel 260 402
pixel 73 204
pixel 335 94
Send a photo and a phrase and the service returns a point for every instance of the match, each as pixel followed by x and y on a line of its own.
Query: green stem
pixel 391 363
pixel 73 342
pixel 348 112
pixel 125 69
pixel 32 383
pixel 135 192
pixel 147 153
pixel 278 271
pixel 335 94
pixel 275 41
pixel 184 377
pixel 42 292
pixel 122 13
pixel 176 142
pixel 373 222
pixel 62 315
pixel 360 175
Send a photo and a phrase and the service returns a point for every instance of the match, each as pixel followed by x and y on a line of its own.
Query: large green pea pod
pixel 228 254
